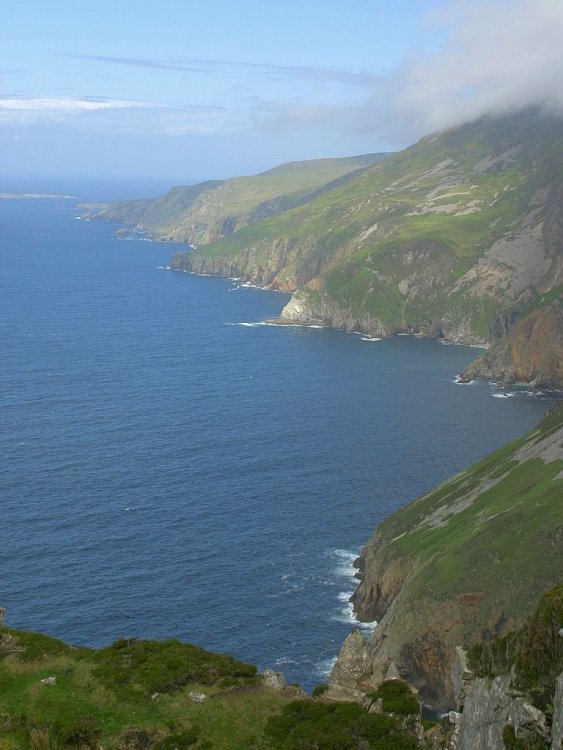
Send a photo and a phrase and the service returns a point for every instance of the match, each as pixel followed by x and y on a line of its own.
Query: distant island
pixel 34 196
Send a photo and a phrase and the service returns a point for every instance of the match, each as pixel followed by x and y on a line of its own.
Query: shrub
pixel 397 698
pixel 179 740
pixel 165 666
pixel 319 690
pixel 84 731
pixel 309 725
pixel 527 741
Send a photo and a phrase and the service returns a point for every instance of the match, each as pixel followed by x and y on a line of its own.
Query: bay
pixel 169 472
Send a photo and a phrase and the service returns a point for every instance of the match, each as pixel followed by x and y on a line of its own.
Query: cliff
pixel 464 563
pixel 458 237
pixel 530 352
pixel 202 213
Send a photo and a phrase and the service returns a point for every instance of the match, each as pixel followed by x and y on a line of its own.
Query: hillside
pixel 167 695
pixel 454 237
pixel 465 562
pixel 210 210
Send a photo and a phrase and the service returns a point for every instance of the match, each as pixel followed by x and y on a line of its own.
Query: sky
pixel 185 90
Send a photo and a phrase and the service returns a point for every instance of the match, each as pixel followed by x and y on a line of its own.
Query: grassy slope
pixel 502 543
pixel 474 554
pixel 368 268
pixel 114 688
pixel 236 196
pixel 135 695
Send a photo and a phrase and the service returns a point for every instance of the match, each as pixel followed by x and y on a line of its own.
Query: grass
pixel 135 695
pixel 101 696
pixel 477 555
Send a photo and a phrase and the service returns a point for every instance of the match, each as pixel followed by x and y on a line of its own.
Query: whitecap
pixel 324 667
pixel 458 381
pixel 370 338
pixel 503 395
pixel 285 660
pixel 247 325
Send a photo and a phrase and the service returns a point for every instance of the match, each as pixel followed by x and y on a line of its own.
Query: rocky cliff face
pixel 530 352
pixel 502 690
pixel 279 264
pixel 457 237
pixel 464 563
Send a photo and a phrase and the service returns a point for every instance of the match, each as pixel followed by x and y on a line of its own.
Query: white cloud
pixel 498 56
pixel 67 104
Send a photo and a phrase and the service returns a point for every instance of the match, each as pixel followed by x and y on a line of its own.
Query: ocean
pixel 172 468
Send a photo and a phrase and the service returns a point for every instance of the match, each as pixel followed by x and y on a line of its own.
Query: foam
pixel 370 338
pixel 248 325
pixel 458 381
pixel 324 667
pixel 503 395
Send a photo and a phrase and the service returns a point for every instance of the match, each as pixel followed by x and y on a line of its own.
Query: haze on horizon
pixel 187 90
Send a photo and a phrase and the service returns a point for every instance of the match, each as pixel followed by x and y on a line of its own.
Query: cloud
pixel 498 56
pixel 119 116
pixel 234 69
pixel 66 104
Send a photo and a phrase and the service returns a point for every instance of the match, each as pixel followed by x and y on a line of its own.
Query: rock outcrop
pixel 463 564
pixel 530 352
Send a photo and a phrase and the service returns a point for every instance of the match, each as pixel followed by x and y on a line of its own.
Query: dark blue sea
pixel 168 470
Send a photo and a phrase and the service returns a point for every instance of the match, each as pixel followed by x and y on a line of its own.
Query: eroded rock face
pixel 557 725
pixel 273 679
pixel 352 670
pixel 489 707
pixel 531 352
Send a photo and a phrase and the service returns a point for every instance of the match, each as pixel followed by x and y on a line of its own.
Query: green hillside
pixel 151 695
pixel 467 561
pixel 454 237
pixel 209 210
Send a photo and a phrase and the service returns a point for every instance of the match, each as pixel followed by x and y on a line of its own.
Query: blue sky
pixel 192 90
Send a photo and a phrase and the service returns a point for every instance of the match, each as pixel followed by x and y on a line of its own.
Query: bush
pixel 319 690
pixel 397 698
pixel 535 651
pixel 178 740
pixel 165 666
pixel 526 742
pixel 84 731
pixel 309 725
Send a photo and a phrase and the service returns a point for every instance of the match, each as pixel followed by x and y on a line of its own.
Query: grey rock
pixel 461 676
pixel 488 708
pixel 273 679
pixel 557 726
pixel 393 673
pixel 353 663
pixel 49 681
pixel 197 697
pixel 2 612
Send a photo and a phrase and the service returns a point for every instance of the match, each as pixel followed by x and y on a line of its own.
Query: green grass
pixel 495 546
pixel 101 695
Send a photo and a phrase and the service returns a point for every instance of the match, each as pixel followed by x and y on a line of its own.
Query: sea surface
pixel 168 470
